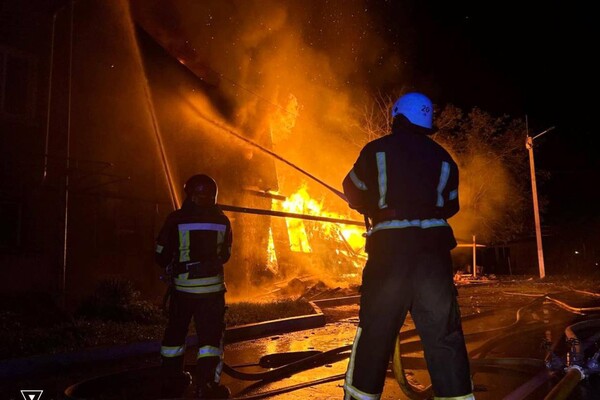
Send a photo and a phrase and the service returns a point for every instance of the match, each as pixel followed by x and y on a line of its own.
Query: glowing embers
pixel 346 239
pixel 272 263
pixel 353 236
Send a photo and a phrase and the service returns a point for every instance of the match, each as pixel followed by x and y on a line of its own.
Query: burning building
pixel 139 98
pixel 114 104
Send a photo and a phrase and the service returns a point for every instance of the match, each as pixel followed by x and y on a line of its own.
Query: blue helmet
pixel 416 107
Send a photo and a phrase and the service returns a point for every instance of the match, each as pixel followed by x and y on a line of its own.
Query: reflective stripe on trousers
pixel 209 351
pixel 219 368
pixel 350 392
pixel 394 283
pixel 465 397
pixel 172 351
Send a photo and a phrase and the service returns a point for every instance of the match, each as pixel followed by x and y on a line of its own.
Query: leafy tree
pixel 495 182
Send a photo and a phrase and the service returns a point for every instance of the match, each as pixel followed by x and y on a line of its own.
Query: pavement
pixel 483 307
pixel 55 372
pixel 331 336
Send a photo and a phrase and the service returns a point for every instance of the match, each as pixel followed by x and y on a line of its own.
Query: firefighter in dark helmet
pixel 192 247
pixel 407 185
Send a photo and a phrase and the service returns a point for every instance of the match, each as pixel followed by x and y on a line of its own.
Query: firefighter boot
pixel 174 386
pixel 174 379
pixel 212 390
pixel 207 379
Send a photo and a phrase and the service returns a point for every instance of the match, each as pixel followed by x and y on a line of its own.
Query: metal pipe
pixel 266 194
pixel 252 143
pixel 260 211
pixel 50 72
pixel 474 256
pixel 63 283
pixel 544 132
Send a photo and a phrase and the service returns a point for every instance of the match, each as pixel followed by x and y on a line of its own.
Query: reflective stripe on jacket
pixel 196 242
pixel 409 173
pixel 212 284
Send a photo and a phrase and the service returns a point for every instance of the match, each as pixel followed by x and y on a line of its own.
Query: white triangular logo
pixel 32 394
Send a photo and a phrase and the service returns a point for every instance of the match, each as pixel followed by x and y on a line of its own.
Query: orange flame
pixel 272 264
pixel 300 202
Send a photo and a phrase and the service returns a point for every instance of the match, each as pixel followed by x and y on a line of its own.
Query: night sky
pixel 517 58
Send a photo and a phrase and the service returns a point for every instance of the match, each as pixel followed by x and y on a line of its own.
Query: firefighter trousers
pixel 208 312
pixel 393 284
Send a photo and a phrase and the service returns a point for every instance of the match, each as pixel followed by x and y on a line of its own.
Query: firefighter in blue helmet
pixel 192 247
pixel 407 185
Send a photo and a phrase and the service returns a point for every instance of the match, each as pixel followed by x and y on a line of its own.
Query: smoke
pixel 296 72
pixel 292 76
pixel 493 192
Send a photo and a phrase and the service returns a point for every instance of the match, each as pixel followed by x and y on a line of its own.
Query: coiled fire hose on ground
pixel 506 333
pixel 412 391
pixel 292 363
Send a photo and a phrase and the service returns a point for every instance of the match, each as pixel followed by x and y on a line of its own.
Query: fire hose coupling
pixel 593 366
pixel 574 356
pixel 578 368
pixel 554 362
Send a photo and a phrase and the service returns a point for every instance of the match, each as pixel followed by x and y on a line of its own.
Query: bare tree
pixel 375 120
pixel 494 192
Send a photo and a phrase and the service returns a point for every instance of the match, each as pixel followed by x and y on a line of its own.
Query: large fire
pixel 347 236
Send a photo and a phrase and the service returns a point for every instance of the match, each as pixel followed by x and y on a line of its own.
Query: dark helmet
pixel 203 187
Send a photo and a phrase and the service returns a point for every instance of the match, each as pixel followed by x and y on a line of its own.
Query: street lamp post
pixel 536 210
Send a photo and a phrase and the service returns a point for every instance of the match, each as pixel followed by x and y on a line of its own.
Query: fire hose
pixel 575 365
pixel 252 143
pixel 416 391
pixel 560 391
pixel 337 354
pixel 576 372
pixel 397 366
pixel 288 364
pixel 289 369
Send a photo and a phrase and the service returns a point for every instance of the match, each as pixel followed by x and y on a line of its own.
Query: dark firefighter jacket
pixel 195 242
pixel 408 183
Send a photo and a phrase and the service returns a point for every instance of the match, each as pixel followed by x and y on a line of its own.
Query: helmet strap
pixel 401 122
pixel 202 201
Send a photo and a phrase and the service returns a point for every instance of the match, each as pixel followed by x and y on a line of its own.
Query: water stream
pixel 175 200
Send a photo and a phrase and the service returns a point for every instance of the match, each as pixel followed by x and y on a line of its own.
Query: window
pixel 10 225
pixel 17 84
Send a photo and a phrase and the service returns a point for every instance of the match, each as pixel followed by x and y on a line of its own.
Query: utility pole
pixel 474 256
pixel 536 209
